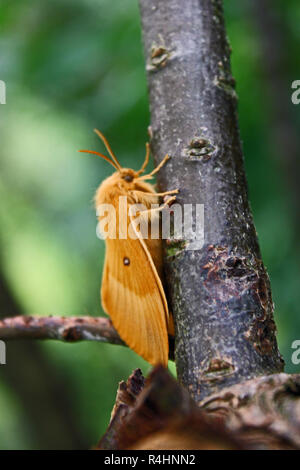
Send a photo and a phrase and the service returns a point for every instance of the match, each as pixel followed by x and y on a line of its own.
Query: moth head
pixel 127 175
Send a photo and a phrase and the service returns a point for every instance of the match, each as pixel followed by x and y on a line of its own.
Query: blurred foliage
pixel 71 66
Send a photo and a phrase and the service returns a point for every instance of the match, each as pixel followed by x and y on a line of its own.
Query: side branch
pixel 69 329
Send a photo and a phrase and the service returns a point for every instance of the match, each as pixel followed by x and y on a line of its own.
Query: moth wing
pixel 133 296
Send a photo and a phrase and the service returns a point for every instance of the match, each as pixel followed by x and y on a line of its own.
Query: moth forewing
pixel 132 290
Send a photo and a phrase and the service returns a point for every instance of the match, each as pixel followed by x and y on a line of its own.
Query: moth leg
pixel 143 197
pixel 173 191
pixel 136 194
pixel 148 212
pixel 153 172
pixel 160 208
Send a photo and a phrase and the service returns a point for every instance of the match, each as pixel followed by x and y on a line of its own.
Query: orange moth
pixel 132 290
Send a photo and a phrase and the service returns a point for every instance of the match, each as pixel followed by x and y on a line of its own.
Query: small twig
pixel 68 329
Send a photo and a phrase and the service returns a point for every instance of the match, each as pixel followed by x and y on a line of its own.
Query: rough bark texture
pixel 261 413
pixel 160 414
pixel 220 295
pixel 70 329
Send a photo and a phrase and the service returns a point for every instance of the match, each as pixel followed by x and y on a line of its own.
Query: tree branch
pixel 220 294
pixel 70 329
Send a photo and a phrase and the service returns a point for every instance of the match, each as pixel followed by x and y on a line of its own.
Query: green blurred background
pixel 70 66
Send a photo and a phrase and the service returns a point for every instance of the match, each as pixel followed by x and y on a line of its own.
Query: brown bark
pixel 220 294
pixel 261 413
pixel 264 412
pixel 70 329
pixel 161 415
